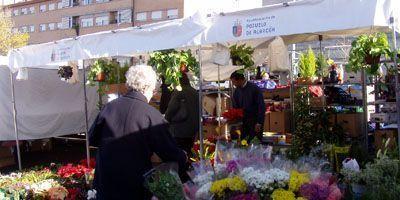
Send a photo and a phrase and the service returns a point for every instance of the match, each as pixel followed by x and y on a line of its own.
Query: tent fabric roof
pixel 295 22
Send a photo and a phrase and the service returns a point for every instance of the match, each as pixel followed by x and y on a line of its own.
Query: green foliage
pixel 312 128
pixel 242 55
pixel 165 185
pixel 169 63
pixel 372 46
pixel 307 64
pixel 322 65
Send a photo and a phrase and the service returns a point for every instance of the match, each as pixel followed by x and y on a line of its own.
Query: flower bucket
pixel 371 60
pixel 101 77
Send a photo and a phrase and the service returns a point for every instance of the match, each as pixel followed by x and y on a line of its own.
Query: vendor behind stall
pixel 248 97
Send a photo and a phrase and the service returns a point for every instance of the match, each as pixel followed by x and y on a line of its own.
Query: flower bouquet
pixel 233 114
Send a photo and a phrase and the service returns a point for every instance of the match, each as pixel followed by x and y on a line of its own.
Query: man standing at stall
pixel 248 96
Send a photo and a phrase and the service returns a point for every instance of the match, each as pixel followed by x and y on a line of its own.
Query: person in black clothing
pixel 128 131
pixel 248 97
pixel 183 114
pixel 165 96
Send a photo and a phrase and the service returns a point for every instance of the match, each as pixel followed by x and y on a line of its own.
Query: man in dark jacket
pixel 183 114
pixel 248 97
pixel 128 131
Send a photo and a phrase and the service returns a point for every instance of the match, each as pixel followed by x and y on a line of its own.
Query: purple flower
pixel 251 196
pixel 231 166
pixel 314 191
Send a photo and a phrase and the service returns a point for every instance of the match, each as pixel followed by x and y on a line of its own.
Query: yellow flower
pixel 244 143
pixel 281 194
pixel 297 179
pixel 301 198
pixel 233 184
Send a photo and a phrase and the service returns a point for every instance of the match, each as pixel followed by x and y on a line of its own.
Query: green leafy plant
pixel 170 63
pixel 99 66
pixel 322 65
pixel 166 185
pixel 241 55
pixel 307 64
pixel 366 51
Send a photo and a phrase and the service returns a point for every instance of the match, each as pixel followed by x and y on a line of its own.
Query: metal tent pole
pixel 219 103
pixel 396 80
pixel 86 115
pixel 365 106
pixel 292 86
pixel 200 106
pixel 15 120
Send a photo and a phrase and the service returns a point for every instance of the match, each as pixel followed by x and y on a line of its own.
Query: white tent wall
pixel 46 106
pixel 304 20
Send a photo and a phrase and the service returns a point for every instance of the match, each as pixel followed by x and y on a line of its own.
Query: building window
pixel 52 6
pixel 102 21
pixel 60 5
pixel 24 29
pixel 16 12
pixel 24 11
pixel 42 27
pixel 102 1
pixel 156 15
pixel 32 28
pixel 87 2
pixel 125 16
pixel 32 10
pixel 66 22
pixel 172 13
pixel 42 8
pixel 52 26
pixel 88 22
pixel 141 16
pixel 67 3
pixel 59 25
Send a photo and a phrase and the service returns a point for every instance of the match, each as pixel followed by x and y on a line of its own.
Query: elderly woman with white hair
pixel 128 131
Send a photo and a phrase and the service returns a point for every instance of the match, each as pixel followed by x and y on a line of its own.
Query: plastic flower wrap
pixel 297 179
pixel 220 188
pixel 281 194
pixel 203 193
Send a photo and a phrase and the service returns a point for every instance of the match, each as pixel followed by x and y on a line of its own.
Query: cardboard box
pixel 280 122
pixel 267 121
pixel 210 104
pixel 351 123
pixel 281 92
pixel 381 136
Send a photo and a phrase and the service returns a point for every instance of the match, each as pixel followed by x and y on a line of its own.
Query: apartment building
pixel 50 20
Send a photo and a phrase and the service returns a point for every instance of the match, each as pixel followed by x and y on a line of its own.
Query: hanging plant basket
pixel 101 77
pixel 372 60
pixel 65 72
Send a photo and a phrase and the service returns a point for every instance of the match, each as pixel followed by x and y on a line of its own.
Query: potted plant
pixel 242 55
pixel 98 71
pixel 307 67
pixel 65 72
pixel 322 66
pixel 366 52
pixel 171 64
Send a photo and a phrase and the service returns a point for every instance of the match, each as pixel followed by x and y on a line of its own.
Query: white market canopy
pixel 295 21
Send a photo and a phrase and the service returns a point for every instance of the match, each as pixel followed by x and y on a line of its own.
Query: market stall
pixel 293 21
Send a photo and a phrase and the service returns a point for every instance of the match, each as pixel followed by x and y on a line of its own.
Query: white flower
pixel 91 194
pixel 256 178
pixel 204 192
pixel 280 177
pixel 203 178
pixel 43 186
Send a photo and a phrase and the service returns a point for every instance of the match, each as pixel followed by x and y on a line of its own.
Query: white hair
pixel 141 78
